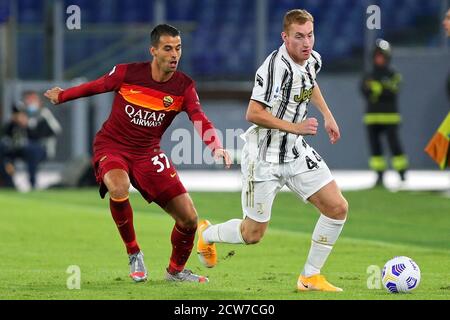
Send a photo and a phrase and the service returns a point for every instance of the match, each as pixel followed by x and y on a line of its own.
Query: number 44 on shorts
pixel 311 163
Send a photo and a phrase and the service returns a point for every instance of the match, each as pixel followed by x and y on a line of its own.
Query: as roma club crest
pixel 167 100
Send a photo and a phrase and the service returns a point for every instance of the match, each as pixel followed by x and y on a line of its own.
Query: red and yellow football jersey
pixel 143 108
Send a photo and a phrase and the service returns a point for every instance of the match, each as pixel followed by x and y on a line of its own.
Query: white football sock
pixel 325 234
pixel 227 232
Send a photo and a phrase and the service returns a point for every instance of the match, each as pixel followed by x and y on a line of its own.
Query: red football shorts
pixel 152 174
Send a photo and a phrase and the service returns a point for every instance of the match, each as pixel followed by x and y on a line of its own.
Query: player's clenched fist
pixel 53 94
pixel 307 127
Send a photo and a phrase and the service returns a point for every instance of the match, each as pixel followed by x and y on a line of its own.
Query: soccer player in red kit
pixel 148 96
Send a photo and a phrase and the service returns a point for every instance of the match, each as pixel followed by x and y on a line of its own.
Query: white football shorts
pixel 261 180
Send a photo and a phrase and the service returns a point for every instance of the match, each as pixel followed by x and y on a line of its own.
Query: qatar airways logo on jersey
pixel 144 118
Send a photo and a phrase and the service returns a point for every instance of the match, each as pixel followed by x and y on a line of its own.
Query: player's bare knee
pixel 343 211
pixel 339 210
pixel 118 183
pixel 252 239
pixel 119 191
pixel 252 232
pixel 252 236
pixel 189 222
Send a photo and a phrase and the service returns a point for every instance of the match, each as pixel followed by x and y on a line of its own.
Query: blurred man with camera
pixel 30 135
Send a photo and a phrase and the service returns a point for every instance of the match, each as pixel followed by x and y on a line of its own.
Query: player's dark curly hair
pixel 161 30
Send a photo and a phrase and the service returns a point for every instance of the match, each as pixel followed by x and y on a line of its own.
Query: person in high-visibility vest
pixel 380 88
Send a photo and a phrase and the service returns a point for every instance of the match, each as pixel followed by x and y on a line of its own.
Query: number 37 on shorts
pixel 162 167
pixel 161 161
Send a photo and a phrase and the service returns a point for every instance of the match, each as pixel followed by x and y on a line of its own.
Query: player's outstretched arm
pixel 57 95
pixel 257 114
pixel 330 124
pixel 109 82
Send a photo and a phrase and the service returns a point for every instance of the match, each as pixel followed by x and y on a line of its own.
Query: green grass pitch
pixel 43 233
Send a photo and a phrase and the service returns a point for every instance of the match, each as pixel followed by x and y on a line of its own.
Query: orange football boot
pixel 206 252
pixel 316 282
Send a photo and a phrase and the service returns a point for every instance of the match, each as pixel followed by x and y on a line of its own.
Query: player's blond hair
pixel 298 16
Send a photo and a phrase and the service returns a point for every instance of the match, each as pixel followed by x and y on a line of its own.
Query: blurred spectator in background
pixel 380 88
pixel 30 135
pixel 6 170
pixel 439 146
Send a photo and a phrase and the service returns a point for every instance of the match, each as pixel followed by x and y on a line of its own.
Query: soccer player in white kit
pixel 275 154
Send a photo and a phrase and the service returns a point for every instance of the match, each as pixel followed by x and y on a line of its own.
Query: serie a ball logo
pixel 400 274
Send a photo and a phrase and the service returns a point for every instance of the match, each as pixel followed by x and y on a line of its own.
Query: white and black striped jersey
pixel 285 88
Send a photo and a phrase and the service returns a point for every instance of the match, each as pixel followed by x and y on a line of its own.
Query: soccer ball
pixel 400 274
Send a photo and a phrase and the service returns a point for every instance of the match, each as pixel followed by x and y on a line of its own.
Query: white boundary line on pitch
pixel 230 181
